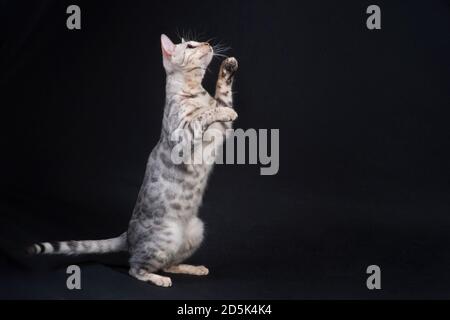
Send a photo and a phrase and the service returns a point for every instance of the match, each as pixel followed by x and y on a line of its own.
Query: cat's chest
pixel 187 106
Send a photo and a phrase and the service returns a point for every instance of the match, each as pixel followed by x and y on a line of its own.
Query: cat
pixel 164 229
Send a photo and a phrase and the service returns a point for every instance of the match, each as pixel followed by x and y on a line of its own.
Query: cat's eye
pixel 190 46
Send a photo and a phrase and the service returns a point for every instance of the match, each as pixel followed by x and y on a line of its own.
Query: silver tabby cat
pixel 165 229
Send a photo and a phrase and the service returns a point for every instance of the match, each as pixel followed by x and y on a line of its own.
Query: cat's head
pixel 185 56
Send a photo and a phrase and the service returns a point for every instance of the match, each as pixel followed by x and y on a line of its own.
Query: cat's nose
pixel 208 45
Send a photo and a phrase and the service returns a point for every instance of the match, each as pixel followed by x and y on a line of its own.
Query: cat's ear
pixel 182 40
pixel 167 46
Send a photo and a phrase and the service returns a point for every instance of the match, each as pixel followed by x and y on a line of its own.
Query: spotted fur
pixel 165 228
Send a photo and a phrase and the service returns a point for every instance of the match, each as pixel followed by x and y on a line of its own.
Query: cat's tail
pixel 80 247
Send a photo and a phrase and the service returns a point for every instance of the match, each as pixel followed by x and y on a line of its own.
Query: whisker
pixel 221 47
pixel 210 39
pixel 220 55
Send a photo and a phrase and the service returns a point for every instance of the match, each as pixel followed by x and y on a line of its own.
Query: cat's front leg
pixel 218 114
pixel 224 93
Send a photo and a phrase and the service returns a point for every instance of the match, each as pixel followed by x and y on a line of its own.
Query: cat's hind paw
pixel 161 281
pixel 188 269
pixel 156 279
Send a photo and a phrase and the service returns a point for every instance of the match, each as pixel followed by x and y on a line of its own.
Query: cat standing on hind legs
pixel 165 229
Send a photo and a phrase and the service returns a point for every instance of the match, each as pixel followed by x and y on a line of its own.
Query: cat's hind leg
pixel 153 249
pixel 145 260
pixel 188 269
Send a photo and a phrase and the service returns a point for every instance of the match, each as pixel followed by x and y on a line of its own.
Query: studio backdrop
pixel 349 107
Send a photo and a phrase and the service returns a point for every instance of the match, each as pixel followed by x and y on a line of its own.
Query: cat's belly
pixel 168 243
pixel 182 239
pixel 192 237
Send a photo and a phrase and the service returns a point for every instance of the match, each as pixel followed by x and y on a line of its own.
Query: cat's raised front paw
pixel 230 65
pixel 229 114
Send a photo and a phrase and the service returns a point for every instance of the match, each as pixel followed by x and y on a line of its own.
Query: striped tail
pixel 80 247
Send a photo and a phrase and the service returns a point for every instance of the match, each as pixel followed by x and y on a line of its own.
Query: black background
pixel 364 145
